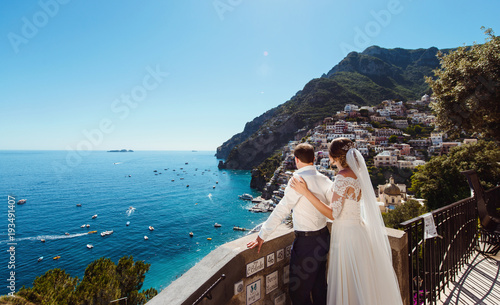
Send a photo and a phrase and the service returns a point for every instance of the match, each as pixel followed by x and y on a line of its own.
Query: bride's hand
pixel 299 185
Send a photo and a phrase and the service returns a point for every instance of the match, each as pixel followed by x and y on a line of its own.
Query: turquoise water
pixel 53 182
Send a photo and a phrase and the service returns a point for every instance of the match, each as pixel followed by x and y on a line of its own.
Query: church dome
pixel 391 188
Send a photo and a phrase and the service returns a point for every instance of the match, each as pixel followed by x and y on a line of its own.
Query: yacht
pixel 151 228
pixel 90 246
pixel 128 223
pixel 145 237
pixel 217 225
pixel 106 233
pixel 191 234
pixel 94 216
pixel 246 197
pixel 40 258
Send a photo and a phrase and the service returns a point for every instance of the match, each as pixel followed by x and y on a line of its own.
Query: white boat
pixel 246 197
pixel 217 225
pixel 90 246
pixel 151 228
pixel 128 223
pixel 88 225
pixel 94 216
pixel 106 233
pixel 83 226
pixel 145 237
pixel 40 258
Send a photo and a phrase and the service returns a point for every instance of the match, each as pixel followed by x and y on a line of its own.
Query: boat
pixel 66 233
pixel 213 187
pixel 57 257
pixel 106 233
pixel 42 240
pixel 235 228
pixel 40 258
pixel 217 225
pixel 94 216
pixel 22 201
pixel 128 223
pixel 83 226
pixel 209 238
pixel 186 163
pixel 155 171
pixel 87 225
pixel 78 204
pixel 151 228
pixel 216 182
pixel 191 234
pixel 92 232
pixel 246 197
pixel 145 237
pixel 187 185
pixel 90 246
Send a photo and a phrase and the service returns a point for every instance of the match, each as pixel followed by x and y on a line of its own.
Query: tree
pixel 393 139
pixel 407 211
pixel 467 89
pixel 103 281
pixel 440 182
pixel 54 287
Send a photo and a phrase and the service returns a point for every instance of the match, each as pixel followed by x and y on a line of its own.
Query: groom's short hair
pixel 304 152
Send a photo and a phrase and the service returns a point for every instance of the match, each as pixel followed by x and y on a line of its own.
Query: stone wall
pixel 257 278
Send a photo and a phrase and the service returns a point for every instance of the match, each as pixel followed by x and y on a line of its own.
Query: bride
pixel 360 266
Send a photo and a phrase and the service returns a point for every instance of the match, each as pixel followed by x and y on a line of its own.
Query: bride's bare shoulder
pixel 347 172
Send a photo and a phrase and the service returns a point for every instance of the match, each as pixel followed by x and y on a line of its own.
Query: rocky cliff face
pixel 250 128
pixel 364 78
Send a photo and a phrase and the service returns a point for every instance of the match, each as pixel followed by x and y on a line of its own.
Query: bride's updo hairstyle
pixel 338 148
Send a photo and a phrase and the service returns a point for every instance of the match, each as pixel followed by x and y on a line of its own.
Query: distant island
pixel 120 150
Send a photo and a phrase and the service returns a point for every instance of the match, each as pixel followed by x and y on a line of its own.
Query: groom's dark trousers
pixel 308 267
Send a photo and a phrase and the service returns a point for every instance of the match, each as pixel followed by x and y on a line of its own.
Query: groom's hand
pixel 257 242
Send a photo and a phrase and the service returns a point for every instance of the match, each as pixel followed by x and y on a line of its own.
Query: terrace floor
pixel 477 283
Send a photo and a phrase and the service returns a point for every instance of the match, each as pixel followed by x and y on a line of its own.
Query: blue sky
pixel 182 75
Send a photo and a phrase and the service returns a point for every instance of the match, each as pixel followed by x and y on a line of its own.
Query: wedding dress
pixel 360 267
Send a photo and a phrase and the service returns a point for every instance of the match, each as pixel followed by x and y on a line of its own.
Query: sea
pixel 175 192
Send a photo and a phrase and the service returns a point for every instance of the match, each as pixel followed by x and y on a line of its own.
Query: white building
pixel 332 136
pixel 350 107
pixel 436 138
pixel 385 158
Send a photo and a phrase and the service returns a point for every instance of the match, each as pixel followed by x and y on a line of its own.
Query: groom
pixel 312 238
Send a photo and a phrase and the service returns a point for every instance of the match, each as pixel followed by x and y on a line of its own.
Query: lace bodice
pixel 347 193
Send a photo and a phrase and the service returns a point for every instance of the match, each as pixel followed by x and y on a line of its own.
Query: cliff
pixel 363 78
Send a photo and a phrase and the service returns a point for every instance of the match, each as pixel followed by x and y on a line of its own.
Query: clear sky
pixel 188 74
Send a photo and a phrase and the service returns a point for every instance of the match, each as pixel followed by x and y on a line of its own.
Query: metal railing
pixel 208 293
pixel 434 262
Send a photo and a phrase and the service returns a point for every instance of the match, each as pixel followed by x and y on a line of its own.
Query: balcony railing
pixel 434 262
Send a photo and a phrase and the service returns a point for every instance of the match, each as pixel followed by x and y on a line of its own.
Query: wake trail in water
pixel 130 211
pixel 46 237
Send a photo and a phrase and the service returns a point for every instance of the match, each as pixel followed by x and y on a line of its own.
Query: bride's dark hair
pixel 338 148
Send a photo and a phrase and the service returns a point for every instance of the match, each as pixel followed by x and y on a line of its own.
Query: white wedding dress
pixel 360 270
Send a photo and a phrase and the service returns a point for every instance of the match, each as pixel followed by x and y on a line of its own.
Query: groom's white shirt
pixel 305 216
